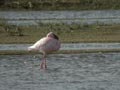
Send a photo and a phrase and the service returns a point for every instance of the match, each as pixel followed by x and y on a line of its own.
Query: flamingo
pixel 46 45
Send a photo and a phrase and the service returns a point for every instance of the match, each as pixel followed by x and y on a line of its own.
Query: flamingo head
pixel 52 35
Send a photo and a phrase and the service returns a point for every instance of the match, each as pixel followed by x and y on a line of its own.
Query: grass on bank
pixel 59 4
pixel 66 32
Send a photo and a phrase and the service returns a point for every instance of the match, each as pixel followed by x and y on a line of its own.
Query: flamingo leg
pixel 43 63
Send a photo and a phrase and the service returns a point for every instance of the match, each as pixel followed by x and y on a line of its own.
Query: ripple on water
pixel 85 71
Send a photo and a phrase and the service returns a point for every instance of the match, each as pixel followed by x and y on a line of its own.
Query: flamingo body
pixel 46 45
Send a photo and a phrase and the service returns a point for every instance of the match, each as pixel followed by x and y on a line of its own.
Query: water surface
pixel 93 71
pixel 35 17
pixel 65 46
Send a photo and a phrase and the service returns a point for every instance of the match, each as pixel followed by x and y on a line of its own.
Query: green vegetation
pixel 66 32
pixel 59 4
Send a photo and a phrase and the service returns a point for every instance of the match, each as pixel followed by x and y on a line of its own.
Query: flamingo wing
pixel 49 44
pixel 46 45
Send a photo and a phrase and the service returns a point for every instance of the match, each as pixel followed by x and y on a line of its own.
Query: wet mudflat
pixel 84 71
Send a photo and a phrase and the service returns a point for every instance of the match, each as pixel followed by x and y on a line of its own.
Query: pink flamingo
pixel 46 45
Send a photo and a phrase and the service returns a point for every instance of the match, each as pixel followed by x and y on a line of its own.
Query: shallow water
pixel 65 46
pixel 35 17
pixel 86 71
